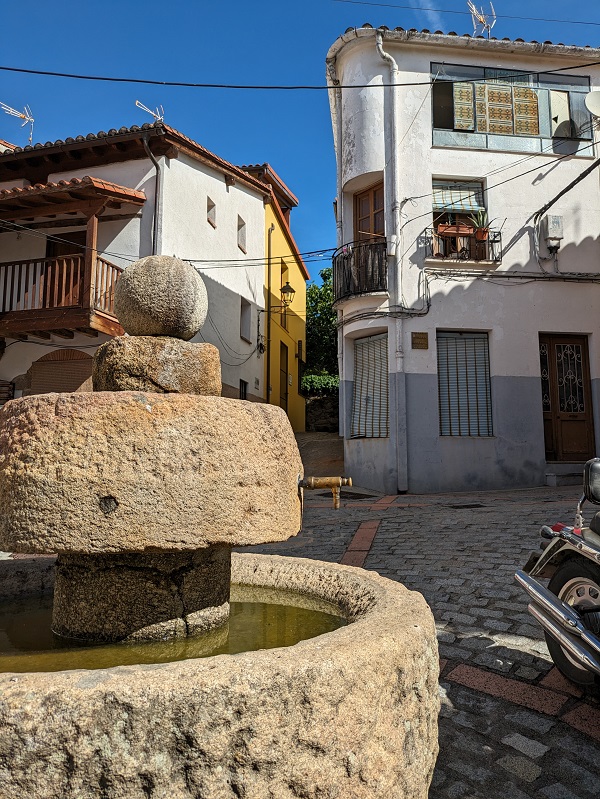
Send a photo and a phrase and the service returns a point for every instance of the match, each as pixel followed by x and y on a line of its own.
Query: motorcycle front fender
pixel 550 559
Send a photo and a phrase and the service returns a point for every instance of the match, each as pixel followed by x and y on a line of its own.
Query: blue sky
pixel 228 42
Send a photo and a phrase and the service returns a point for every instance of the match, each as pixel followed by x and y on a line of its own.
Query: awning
pixel 463 196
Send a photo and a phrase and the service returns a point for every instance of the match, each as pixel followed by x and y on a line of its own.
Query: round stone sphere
pixel 161 296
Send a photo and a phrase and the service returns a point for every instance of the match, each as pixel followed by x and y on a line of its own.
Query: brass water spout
pixel 334 483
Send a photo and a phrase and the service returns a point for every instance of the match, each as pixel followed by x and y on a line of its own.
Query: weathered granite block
pixel 347 715
pixel 141 596
pixel 157 363
pixel 133 472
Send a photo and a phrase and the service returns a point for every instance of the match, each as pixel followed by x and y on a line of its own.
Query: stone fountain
pixel 142 488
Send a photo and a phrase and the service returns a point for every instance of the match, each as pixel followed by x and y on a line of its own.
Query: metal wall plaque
pixel 420 341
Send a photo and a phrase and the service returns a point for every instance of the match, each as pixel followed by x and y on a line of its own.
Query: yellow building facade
pixel 283 329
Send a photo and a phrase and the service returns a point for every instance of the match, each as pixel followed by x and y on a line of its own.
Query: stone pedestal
pixel 133 596
pixel 143 495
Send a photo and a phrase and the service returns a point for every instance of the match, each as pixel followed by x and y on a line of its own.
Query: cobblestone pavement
pixel 510 726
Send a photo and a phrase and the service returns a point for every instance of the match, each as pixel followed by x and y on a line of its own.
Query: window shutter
pixel 464 384
pixel 370 397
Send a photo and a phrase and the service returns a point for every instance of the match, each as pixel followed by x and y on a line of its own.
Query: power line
pixel 280 87
pixel 310 256
pixel 467 13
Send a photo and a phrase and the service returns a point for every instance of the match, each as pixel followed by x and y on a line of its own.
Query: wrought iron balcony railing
pixel 463 243
pixel 359 268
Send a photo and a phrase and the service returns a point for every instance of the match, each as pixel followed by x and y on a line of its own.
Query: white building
pixel 74 213
pixel 469 360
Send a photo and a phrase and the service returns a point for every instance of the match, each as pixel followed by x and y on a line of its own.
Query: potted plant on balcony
pixel 454 228
pixel 481 225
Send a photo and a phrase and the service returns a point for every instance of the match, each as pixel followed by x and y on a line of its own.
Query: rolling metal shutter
pixel 464 384
pixel 370 396
pixel 48 376
pixel 7 391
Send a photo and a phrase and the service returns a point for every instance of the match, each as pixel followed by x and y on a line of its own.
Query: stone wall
pixel 322 413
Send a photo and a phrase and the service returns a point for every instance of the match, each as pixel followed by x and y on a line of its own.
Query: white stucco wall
pixel 187 233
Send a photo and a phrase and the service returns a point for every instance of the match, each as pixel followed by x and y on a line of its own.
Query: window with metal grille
pixel 370 396
pixel 464 384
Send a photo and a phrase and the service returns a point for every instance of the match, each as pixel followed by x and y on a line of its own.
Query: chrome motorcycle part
pixel 563 623
pixel 577 584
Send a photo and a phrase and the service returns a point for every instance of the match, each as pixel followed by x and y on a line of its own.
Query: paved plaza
pixel 510 726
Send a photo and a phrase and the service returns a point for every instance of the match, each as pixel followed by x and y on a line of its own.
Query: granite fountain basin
pixel 350 714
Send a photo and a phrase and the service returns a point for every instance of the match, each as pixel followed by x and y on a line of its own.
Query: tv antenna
pixel 25 115
pixel 158 113
pixel 482 22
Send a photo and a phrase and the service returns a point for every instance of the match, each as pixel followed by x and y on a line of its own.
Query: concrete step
pixel 564 474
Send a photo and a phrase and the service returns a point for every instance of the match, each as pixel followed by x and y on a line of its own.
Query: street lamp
pixel 287 295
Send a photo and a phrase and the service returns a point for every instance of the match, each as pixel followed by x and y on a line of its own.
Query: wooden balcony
pixel 58 296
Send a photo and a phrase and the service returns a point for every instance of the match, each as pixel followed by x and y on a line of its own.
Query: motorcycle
pixel 569 607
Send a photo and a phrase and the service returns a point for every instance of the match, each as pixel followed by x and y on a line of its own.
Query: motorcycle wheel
pixel 576 582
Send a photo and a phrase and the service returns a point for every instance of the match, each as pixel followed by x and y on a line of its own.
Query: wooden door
pixel 369 214
pixel 566 398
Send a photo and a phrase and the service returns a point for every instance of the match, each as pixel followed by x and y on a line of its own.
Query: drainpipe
pixel 397 397
pixel 339 221
pixel 394 239
pixel 269 256
pixel 157 188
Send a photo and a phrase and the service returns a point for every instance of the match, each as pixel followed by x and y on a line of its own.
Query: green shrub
pixel 320 385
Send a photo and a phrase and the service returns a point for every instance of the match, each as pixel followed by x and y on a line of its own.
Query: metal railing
pixel 464 246
pixel 359 267
pixel 48 283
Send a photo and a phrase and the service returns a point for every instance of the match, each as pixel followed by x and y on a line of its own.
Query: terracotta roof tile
pixel 97 184
pixel 157 128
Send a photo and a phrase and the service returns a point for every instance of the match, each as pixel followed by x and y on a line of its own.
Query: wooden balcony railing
pixel 62 289
pixel 359 268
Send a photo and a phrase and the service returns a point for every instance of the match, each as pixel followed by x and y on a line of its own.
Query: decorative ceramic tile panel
pixel 464 118
pixel 481 109
pixel 526 111
pixel 500 109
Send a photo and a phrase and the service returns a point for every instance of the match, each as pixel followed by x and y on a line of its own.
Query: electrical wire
pixel 466 13
pixel 310 256
pixel 281 87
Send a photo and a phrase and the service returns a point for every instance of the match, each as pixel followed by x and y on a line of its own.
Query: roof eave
pixel 464 41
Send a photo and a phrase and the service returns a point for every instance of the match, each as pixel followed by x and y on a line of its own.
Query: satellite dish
pixel 592 103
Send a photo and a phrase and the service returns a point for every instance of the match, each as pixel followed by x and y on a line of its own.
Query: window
pixel 485 103
pixel 370 396
pixel 461 228
pixel 245 320
pixel 464 384
pixel 369 214
pixel 211 212
pixel 241 234
pixel 243 389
